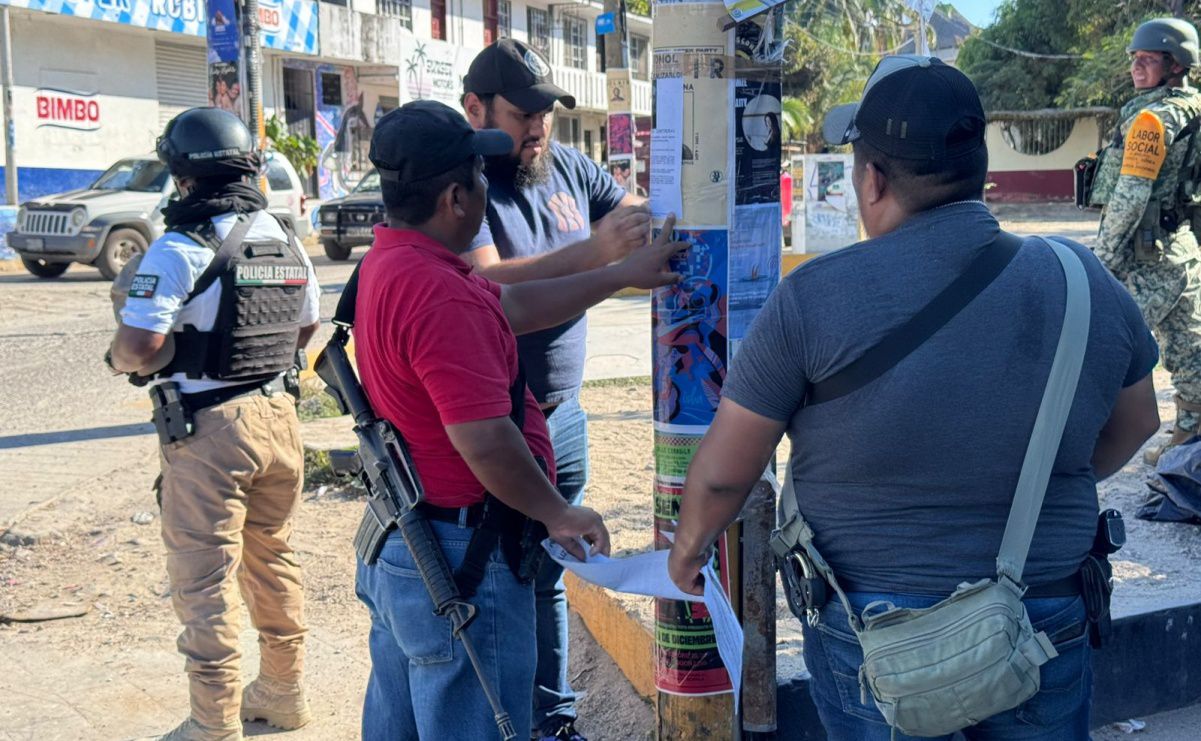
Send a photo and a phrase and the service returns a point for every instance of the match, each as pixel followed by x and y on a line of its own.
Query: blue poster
pixel 689 330
pixel 223 35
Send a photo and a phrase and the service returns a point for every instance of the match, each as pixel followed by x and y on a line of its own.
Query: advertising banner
pixel 286 25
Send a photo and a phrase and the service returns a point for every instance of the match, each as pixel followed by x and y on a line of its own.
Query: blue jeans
pixel 1059 712
pixel 422 684
pixel 553 695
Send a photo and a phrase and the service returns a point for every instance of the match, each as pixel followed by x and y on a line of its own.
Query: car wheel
pixel 335 251
pixel 121 245
pixel 43 269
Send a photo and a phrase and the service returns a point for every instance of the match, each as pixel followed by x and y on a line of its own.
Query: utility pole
pixel 611 26
pixel 715 163
pixel 10 129
pixel 253 56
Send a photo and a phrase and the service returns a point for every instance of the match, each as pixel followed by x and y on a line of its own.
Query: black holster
pixel 172 418
pixel 1096 576
pixel 519 537
pixel 804 588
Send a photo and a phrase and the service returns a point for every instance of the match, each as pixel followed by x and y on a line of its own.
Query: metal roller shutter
pixel 182 76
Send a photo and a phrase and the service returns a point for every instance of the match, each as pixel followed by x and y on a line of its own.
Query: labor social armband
pixel 1145 147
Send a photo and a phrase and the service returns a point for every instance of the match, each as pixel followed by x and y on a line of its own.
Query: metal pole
pixel 254 69
pixel 10 133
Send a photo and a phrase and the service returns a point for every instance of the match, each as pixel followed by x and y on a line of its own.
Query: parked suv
pixel 347 222
pixel 119 215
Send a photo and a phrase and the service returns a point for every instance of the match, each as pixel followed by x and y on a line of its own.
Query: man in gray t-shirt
pixel 907 482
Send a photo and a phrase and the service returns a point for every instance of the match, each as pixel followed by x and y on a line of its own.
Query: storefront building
pixel 96 80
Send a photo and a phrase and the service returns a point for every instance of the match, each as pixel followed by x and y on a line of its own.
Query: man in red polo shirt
pixel 437 355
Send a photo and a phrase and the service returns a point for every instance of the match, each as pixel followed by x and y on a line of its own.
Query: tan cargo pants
pixel 228 496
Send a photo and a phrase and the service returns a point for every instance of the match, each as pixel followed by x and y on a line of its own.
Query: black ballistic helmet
pixel 208 142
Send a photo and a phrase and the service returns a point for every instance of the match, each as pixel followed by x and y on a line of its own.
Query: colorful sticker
pixel 689 327
pixel 143 286
pixel 1145 147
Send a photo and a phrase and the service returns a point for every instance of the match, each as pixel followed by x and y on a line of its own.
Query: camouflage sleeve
pixel 1147 139
pixel 1122 215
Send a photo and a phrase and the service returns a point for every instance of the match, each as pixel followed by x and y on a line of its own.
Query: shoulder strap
pixel 895 347
pixel 224 254
pixel 344 314
pixel 1052 417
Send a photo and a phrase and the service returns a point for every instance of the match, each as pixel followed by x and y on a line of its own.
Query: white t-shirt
pixel 170 269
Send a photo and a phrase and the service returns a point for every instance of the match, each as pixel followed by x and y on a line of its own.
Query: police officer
pixel 1149 183
pixel 214 315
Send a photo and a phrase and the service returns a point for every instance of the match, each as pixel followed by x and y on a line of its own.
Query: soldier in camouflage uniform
pixel 1149 183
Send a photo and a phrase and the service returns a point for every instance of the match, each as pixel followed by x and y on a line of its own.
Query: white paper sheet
pixel 667 148
pixel 646 573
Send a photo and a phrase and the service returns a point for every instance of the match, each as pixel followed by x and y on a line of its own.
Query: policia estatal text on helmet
pixel 213 318
pixel 1148 180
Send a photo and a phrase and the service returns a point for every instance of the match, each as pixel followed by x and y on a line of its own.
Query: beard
pixel 509 167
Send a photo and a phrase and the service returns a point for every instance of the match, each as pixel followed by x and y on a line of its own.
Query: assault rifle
pixel 393 495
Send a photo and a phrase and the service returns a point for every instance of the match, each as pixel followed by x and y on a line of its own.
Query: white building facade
pixel 96 80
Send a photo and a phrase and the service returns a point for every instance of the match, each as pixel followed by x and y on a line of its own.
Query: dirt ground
pixel 113 673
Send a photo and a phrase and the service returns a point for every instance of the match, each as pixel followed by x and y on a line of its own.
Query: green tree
pixel 1091 34
pixel 833 47
pixel 301 151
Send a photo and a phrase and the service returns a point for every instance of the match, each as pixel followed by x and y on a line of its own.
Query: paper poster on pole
pixel 690 25
pixel 754 263
pixel 831 211
pixel 617 87
pixel 621 134
pixel 689 330
pixel 667 148
pixel 706 152
pixel 757 140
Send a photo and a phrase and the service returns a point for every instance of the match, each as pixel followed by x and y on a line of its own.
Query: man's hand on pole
pixel 647 267
pixel 623 230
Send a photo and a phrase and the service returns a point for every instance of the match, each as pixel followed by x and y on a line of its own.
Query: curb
pixel 1152 664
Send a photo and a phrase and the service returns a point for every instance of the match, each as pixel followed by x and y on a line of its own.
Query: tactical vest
pixel 254 336
pixel 1178 187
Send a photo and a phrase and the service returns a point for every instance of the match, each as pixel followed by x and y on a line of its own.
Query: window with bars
pixel 402 10
pixel 575 43
pixel 538 23
pixel 438 19
pixel 638 56
pixel 504 19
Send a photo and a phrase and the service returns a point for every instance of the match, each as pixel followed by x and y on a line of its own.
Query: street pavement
pixel 65 420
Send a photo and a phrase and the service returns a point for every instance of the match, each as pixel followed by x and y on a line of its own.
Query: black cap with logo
pixel 517 73
pixel 913 108
pixel 425 138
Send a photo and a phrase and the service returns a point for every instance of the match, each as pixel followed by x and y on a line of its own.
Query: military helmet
pixel 1170 35
pixel 208 142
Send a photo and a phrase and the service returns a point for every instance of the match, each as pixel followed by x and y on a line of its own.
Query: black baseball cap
pixel 518 73
pixel 425 138
pixel 911 105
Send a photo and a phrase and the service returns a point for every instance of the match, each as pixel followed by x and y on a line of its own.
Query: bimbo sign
pixel 66 110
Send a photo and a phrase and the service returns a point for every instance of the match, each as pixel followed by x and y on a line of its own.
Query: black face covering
pixel 211 198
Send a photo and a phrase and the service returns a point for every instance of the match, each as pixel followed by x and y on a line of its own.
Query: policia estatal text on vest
pixel 212 319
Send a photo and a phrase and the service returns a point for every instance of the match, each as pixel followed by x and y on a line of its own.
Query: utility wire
pixel 1029 54
pixel 852 52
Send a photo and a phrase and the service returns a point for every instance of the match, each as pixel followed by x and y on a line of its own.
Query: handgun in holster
pixel 1085 173
pixel 171 417
pixel 1097 575
pixel 1148 249
pixel 292 375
